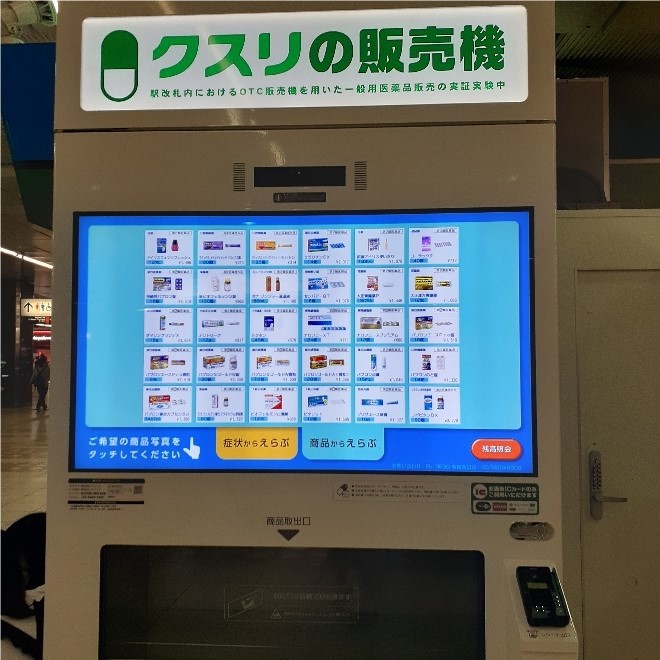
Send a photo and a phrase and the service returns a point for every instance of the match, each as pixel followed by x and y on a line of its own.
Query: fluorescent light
pixel 43 264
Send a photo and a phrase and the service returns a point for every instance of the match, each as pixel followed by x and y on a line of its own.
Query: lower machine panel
pixel 200 603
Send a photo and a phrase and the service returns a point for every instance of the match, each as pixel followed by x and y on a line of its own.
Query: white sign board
pixel 439 55
pixel 36 307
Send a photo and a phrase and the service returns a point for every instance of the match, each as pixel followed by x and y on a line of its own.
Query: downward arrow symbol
pixel 288 534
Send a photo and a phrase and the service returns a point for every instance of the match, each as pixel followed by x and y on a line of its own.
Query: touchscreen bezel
pixel 167 216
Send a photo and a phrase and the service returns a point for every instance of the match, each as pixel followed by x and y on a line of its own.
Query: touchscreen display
pixel 341 342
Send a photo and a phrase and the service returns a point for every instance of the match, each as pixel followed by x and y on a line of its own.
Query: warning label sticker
pixel 292 603
pixel 400 491
pixel 105 494
pixel 505 498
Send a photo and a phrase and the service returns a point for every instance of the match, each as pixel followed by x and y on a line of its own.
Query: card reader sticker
pixel 520 499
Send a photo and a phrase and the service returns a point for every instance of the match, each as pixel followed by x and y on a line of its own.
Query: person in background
pixel 40 379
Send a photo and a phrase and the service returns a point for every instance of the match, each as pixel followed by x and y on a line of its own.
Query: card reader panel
pixel 542 596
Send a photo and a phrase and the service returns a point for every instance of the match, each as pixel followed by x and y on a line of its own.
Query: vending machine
pixel 307 395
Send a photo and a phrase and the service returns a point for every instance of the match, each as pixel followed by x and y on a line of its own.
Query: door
pixel 618 335
pixel 616 353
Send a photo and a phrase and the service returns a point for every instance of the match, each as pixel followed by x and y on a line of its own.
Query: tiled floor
pixel 23 451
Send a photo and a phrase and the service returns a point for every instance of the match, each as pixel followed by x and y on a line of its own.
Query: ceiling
pixel 618 40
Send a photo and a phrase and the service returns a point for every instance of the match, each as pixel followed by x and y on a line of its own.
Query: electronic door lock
pixel 597 499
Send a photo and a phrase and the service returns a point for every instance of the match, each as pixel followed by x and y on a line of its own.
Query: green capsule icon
pixel 119 65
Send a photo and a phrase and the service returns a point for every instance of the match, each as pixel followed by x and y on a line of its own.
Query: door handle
pixel 597 499
pixel 606 498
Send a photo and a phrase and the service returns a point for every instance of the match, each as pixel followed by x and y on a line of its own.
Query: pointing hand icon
pixel 194 449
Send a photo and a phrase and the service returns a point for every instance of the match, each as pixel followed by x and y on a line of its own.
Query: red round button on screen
pixel 496 449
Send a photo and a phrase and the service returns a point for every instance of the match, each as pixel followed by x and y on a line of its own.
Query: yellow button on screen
pixel 256 444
